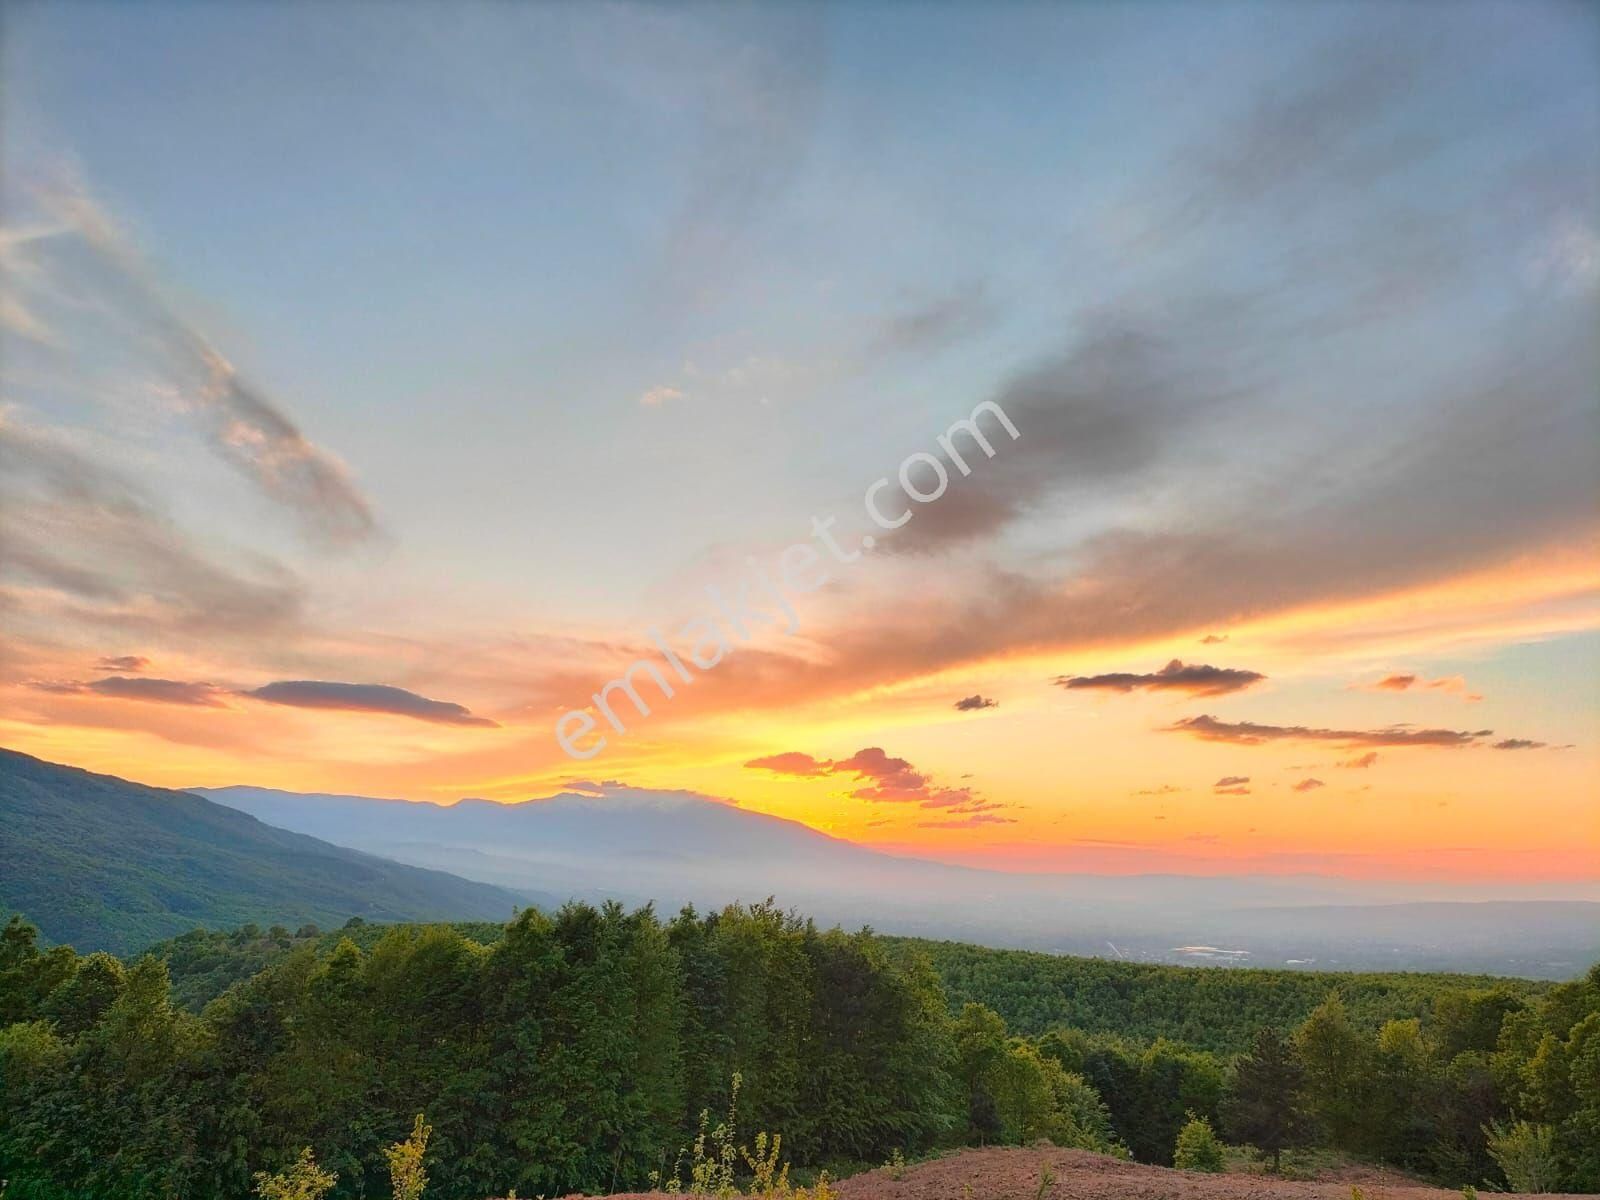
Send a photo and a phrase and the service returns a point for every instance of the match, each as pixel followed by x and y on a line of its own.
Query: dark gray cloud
pixel 1107 407
pixel 1249 733
pixel 975 702
pixel 1231 781
pixel 1519 744
pixel 1185 387
pixel 1206 457
pixel 1193 678
pixel 366 697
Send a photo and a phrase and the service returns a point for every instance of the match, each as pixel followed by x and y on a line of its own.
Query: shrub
pixel 1526 1153
pixel 406 1172
pixel 1197 1147
pixel 301 1180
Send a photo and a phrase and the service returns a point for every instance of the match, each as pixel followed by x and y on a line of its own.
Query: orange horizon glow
pixel 1123 797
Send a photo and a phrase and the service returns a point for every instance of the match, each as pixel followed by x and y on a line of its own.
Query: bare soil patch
pixel 997 1173
pixel 1015 1174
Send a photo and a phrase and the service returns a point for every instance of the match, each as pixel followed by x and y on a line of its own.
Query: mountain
pixel 103 863
pixel 674 848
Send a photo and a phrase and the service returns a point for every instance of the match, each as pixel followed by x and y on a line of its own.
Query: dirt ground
pixel 1008 1174
pixel 1012 1174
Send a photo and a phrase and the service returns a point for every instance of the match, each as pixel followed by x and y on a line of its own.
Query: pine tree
pixel 1266 1106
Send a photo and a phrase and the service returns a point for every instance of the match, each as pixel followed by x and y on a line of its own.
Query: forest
pixel 578 1050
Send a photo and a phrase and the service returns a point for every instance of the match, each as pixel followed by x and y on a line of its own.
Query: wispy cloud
pixel 659 395
pixel 124 662
pixel 242 424
pixel 161 691
pixel 932 324
pixel 974 703
pixel 1408 682
pixel 105 552
pixel 970 822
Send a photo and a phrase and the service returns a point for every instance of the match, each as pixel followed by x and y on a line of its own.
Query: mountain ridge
pixel 103 862
pixel 675 848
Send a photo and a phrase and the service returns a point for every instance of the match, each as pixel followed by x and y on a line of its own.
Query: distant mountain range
pixel 104 864
pixel 681 847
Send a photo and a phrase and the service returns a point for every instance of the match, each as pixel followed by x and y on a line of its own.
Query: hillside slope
pixel 105 864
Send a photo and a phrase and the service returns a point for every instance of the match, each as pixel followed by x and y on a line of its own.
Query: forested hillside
pixel 577 1050
pixel 1214 1008
pixel 102 863
pixel 1211 1008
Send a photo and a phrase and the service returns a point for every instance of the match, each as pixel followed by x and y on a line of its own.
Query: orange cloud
pixel 1404 683
pixel 160 691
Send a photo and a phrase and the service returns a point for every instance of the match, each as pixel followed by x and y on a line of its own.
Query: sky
pixel 379 382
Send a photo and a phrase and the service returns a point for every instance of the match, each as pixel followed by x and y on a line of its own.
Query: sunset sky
pixel 372 386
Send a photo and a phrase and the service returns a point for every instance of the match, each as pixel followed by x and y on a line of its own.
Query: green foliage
pixel 1197 1147
pixel 1016 1094
pixel 572 1051
pixel 1148 1090
pixel 1265 1105
pixel 1209 1008
pixel 1526 1154
pixel 559 1053
pixel 1338 1075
